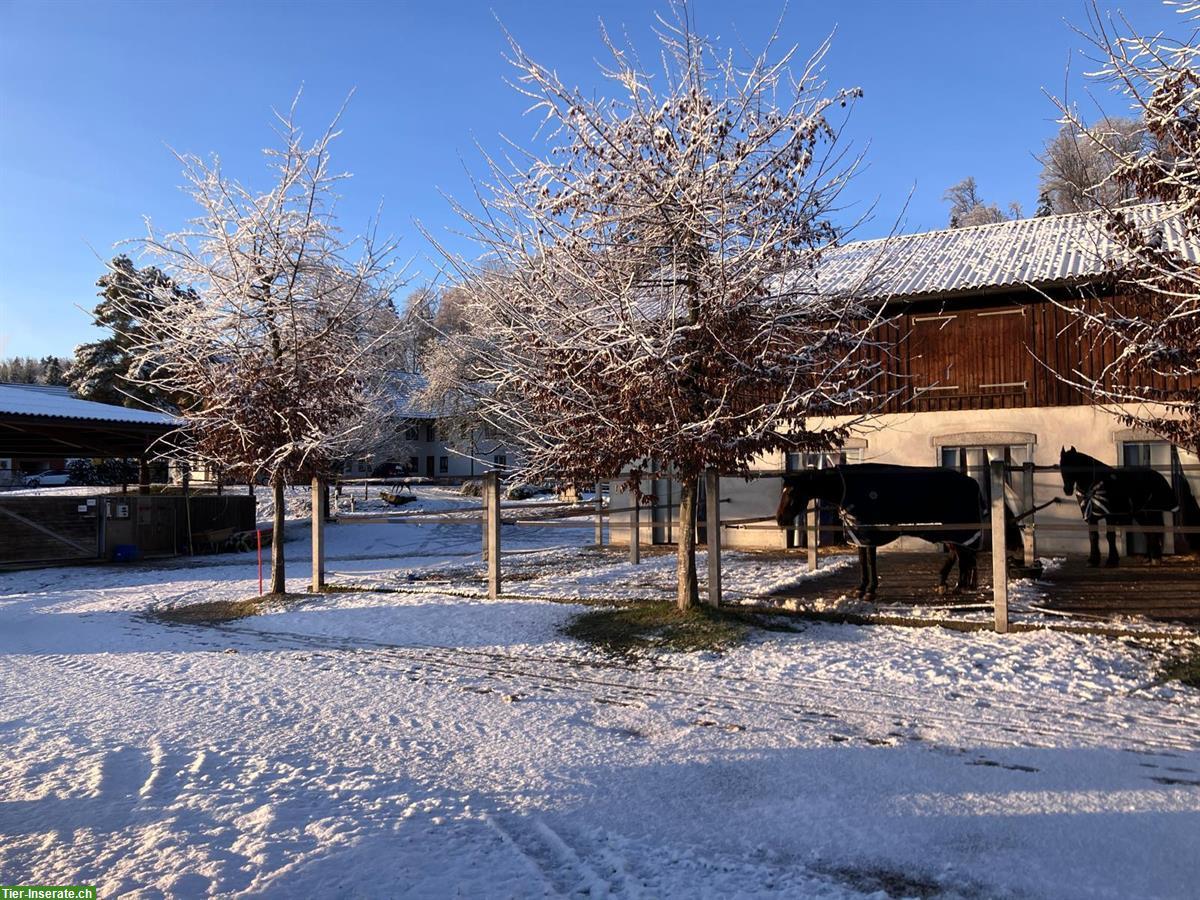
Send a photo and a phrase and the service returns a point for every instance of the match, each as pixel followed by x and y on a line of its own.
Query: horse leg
pixel 967 569
pixel 1154 539
pixel 864 574
pixel 1094 540
pixel 874 568
pixel 944 573
pixel 1114 558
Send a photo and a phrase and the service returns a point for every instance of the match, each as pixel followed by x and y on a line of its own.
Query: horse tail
pixel 1189 513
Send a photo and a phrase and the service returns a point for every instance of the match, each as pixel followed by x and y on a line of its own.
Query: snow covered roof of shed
pixel 1067 248
pixel 56 402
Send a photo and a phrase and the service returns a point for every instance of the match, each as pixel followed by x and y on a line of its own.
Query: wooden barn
pixel 976 339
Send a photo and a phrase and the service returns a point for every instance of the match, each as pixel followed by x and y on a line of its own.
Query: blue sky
pixel 92 95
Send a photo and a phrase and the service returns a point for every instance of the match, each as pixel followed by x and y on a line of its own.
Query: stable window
pixel 976 460
pixel 827 515
pixel 1163 458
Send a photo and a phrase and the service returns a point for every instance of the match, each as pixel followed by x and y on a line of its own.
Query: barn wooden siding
pixel 991 352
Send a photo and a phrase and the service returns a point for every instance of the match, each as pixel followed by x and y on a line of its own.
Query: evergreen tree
pixel 104 370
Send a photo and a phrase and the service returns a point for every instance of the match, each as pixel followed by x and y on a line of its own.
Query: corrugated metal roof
pixel 38 400
pixel 1043 251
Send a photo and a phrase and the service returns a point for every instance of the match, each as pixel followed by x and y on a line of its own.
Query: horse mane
pixel 1077 459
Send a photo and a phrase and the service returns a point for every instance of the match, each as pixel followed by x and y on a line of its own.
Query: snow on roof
pixel 42 400
pixel 1065 248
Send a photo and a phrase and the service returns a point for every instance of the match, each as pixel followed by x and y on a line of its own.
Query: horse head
pixel 793 501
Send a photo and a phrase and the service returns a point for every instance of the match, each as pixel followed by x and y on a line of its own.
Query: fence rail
pixel 492 513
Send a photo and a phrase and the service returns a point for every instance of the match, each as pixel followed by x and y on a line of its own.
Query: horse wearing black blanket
pixel 1119 497
pixel 879 503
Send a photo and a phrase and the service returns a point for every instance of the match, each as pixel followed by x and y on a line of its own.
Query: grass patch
pixel 657 626
pixel 1184 669
pixel 216 611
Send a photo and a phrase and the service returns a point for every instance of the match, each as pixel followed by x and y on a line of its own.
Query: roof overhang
pixel 35 436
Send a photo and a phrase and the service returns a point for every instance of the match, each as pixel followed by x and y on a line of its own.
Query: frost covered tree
pixel 967 208
pixel 103 369
pixel 646 299
pixel 283 342
pixel 1077 172
pixel 1156 370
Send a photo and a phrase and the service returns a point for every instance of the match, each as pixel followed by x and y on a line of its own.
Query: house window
pixel 413 464
pixel 500 461
pixel 430 433
pixel 443 465
pixel 412 433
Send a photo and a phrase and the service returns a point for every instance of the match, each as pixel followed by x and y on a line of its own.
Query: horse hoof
pixel 1111 563
pixel 869 597
pixel 1094 562
pixel 942 590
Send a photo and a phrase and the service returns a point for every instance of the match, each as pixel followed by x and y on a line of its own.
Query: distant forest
pixel 28 370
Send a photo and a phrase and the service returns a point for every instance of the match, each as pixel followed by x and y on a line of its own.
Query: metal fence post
pixel 999 554
pixel 491 487
pixel 635 527
pixel 599 514
pixel 814 535
pixel 1029 533
pixel 712 530
pixel 483 514
pixel 318 536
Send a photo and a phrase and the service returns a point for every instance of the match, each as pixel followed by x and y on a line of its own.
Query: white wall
pixel 914 439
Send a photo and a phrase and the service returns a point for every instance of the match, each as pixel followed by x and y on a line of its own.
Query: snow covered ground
pixel 434 743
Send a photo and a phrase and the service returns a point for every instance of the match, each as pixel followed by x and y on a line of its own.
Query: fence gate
pixel 47 529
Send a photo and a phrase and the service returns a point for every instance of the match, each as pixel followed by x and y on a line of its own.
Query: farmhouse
pixel 978 339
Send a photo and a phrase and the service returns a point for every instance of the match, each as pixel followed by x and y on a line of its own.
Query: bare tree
pixel 282 340
pixel 1154 380
pixel 646 299
pixel 1077 172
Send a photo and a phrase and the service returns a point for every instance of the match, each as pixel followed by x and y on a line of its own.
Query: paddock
pixel 1068 586
pixel 1065 588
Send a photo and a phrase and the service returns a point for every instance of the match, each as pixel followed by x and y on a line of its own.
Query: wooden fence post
pixel 318 536
pixel 999 554
pixel 814 534
pixel 491 487
pixel 635 526
pixel 712 531
pixel 599 514
pixel 1029 500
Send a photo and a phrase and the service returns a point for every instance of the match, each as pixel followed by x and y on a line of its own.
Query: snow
pixel 37 400
pixel 424 741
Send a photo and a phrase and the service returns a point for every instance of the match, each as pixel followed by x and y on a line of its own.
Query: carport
pixel 77 526
pixel 40 421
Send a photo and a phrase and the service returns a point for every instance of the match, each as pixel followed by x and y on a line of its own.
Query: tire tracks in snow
pixel 835 704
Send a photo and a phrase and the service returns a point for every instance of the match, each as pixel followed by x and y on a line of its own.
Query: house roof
pixel 1040 252
pixel 56 402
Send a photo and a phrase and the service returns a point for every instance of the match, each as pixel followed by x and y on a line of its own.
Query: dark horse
pixel 879 503
pixel 1119 497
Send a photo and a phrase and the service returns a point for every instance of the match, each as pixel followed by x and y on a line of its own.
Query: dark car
pixel 390 470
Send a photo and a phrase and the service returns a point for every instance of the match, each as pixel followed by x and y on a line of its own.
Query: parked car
pixel 390 470
pixel 49 478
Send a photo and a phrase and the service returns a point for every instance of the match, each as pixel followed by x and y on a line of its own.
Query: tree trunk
pixel 278 585
pixel 688 589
